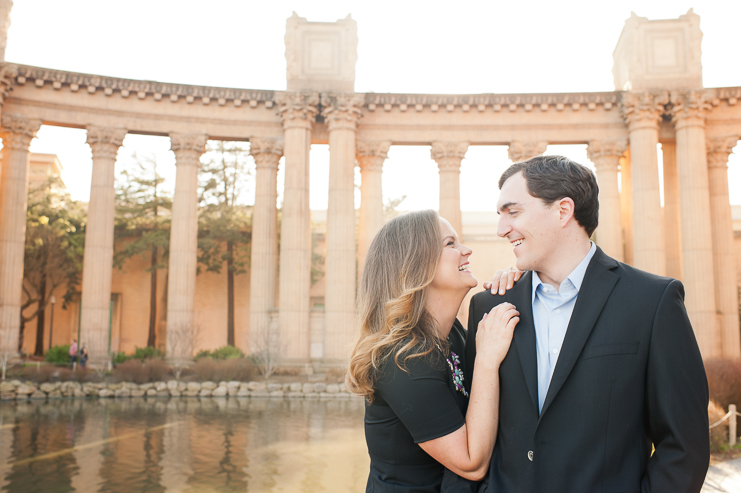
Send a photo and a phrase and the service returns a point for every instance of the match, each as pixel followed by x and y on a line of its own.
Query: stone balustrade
pixel 16 390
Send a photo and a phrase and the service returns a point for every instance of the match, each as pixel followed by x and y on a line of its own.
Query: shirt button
pixel 558 311
pixel 530 455
pixel 555 351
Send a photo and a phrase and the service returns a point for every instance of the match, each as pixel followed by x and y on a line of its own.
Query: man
pixel 604 363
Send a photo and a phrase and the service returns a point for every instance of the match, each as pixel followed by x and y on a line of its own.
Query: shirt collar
pixel 577 275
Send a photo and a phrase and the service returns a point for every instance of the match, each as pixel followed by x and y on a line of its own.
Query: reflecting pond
pixel 188 445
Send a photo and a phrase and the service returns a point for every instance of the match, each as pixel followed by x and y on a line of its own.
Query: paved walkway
pixel 724 477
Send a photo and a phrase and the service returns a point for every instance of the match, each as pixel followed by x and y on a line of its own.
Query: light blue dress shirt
pixel 551 315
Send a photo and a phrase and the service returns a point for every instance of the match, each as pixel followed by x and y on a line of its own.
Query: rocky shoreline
pixel 14 390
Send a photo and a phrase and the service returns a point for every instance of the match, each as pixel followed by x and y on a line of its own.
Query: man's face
pixel 528 223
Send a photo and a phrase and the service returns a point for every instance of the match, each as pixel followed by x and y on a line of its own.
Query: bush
pixel 719 434
pixel 724 381
pixel 240 369
pixel 119 358
pixel 58 355
pixel 142 353
pixel 141 371
pixel 227 352
pixel 204 353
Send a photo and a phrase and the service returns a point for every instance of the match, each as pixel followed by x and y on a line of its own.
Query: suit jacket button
pixel 530 455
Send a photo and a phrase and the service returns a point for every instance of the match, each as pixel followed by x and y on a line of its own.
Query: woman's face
pixel 452 269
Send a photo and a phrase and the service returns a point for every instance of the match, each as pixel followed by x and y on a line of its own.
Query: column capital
pixel 520 151
pixel 8 74
pixel 718 149
pixel 643 109
pixel 342 110
pixel 187 145
pixel 448 155
pixel 267 152
pixel 371 154
pixel 17 132
pixel 297 109
pixel 690 108
pixel 105 141
pixel 606 153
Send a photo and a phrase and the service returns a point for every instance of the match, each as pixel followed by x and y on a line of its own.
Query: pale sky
pixel 411 46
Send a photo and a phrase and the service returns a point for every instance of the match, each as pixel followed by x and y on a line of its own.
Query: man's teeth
pixel 517 242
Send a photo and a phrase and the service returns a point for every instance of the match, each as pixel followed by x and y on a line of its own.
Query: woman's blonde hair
pixel 400 265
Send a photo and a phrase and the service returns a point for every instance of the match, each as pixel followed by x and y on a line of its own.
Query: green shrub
pixel 143 353
pixel 58 355
pixel 119 358
pixel 204 353
pixel 227 352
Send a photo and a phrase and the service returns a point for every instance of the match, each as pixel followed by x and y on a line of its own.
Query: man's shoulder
pixel 632 275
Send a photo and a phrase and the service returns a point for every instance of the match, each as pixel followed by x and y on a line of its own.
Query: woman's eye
pixel 449 243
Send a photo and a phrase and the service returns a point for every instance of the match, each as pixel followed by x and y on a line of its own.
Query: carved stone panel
pixel 321 55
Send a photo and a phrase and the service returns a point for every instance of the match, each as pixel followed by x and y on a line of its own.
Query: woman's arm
pixel 467 451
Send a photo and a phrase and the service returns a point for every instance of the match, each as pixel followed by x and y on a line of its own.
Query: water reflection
pixel 182 445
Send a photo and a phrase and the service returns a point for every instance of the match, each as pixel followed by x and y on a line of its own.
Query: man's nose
pixel 503 228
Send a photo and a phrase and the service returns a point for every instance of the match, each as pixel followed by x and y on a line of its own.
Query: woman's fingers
pixel 503 280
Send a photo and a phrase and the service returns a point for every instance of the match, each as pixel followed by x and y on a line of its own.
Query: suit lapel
pixel 524 336
pixel 598 283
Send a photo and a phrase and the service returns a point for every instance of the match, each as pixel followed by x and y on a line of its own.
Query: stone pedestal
pixel 371 156
pixel 264 262
pixel 672 227
pixel 16 133
pixel 448 156
pixel 698 275
pixel 341 112
pixel 181 284
pixel 606 158
pixel 642 113
pixel 724 267
pixel 97 264
pixel 298 111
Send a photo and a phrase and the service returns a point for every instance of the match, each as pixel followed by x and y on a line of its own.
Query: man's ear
pixel 565 210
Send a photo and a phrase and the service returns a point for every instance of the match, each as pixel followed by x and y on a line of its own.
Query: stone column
pixel 626 206
pixel 181 283
pixel 521 151
pixel 97 264
pixel 298 111
pixel 448 156
pixel 606 158
pixel 724 267
pixel 264 262
pixel 5 7
pixel 370 156
pixel 341 112
pixel 672 226
pixel 642 113
pixel 688 114
pixel 16 133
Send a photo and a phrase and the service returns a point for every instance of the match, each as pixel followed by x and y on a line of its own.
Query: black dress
pixel 410 407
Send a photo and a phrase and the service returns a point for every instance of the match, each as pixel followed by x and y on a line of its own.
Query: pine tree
pixel 143 225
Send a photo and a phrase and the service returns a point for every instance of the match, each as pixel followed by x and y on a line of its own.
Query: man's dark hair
pixel 552 178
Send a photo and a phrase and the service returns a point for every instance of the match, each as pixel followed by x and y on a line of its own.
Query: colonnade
pixel 677 240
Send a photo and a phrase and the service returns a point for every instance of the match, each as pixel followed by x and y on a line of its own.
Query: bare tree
pixel 181 339
pixel 266 350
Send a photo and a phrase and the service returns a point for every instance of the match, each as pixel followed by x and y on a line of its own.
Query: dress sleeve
pixel 420 396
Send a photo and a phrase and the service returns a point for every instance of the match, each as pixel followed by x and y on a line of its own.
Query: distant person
pixel 83 357
pixel 409 360
pixel 604 365
pixel 73 353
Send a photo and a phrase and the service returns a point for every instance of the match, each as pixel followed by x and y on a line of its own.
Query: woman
pixel 419 418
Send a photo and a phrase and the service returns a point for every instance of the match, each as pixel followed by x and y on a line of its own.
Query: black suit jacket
pixel 629 375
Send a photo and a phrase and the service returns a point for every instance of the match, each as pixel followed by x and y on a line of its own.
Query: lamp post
pixel 51 320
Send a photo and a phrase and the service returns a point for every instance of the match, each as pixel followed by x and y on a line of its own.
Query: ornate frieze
pixel 17 132
pixel 8 74
pixel 643 109
pixel 606 152
pixel 342 110
pixel 718 149
pixel 298 108
pixel 520 151
pixel 105 141
pixel 691 107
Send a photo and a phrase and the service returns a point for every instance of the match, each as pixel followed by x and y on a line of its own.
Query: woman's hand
pixel 494 334
pixel 503 280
